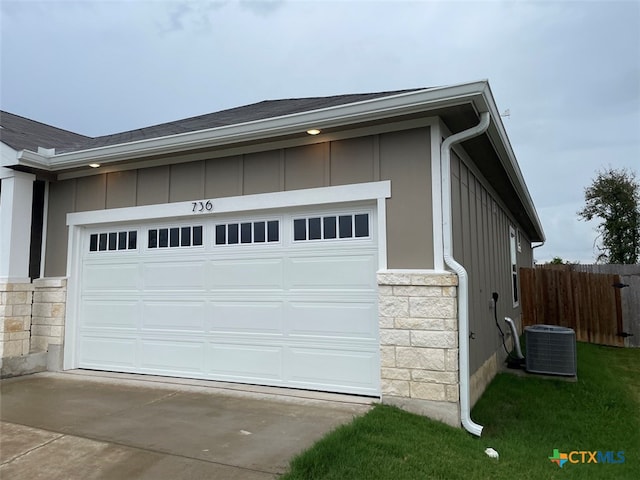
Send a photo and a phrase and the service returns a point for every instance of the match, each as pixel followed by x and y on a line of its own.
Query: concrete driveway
pixel 101 426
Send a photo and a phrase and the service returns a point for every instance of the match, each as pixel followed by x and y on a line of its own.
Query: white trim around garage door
pixel 244 203
pixel 378 191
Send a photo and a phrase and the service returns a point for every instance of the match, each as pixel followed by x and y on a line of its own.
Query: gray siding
pixel 306 167
pixel 409 210
pixel 62 199
pixel 352 161
pixel 402 157
pixel 91 193
pixel 481 244
pixel 223 177
pixel 186 181
pixel 153 185
pixel 262 172
pixel 121 189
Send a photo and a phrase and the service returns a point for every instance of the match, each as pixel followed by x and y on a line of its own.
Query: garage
pixel 279 297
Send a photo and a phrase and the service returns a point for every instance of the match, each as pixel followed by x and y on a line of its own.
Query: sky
pixel 568 72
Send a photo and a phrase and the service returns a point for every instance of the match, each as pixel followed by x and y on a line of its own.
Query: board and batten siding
pixel 403 157
pixel 481 243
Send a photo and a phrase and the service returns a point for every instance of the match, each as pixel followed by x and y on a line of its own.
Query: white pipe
pixel 463 281
pixel 516 341
pixel 45 225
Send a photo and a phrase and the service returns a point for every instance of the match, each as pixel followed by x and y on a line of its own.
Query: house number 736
pixel 202 206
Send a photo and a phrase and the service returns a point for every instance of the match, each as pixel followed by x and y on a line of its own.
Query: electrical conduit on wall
pixel 463 281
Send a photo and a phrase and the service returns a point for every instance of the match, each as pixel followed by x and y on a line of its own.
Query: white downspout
pixel 463 281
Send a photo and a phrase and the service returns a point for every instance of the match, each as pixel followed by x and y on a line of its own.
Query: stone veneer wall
pixel 47 324
pixel 482 377
pixel 419 342
pixel 15 312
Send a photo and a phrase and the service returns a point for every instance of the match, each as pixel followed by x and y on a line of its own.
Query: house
pixel 346 244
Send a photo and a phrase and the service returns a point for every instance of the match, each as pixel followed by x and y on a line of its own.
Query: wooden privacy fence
pixel 584 298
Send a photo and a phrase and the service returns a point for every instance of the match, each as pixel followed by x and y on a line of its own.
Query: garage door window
pixel 113 241
pixel 331 227
pixel 175 237
pixel 247 232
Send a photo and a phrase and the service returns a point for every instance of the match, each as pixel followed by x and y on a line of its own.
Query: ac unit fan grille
pixel 551 350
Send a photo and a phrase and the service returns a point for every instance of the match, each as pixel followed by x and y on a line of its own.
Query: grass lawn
pixel 525 418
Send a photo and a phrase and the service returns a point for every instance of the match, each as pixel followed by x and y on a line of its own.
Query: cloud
pixel 262 7
pixel 200 17
pixel 190 16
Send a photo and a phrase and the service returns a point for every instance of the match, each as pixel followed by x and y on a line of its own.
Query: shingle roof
pixel 22 133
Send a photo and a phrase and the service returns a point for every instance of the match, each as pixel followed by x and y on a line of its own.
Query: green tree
pixel 614 198
pixel 558 261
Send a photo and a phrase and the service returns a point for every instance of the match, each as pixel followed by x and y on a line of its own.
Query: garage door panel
pixel 175 315
pixel 172 356
pixel 174 276
pixel 111 276
pixel 249 362
pixel 247 274
pixel 332 367
pixel 107 352
pixel 296 312
pixel 110 314
pixel 247 316
pixel 343 272
pixel 332 319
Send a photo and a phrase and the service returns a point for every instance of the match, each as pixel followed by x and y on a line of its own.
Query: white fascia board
pixel 28 158
pixel 10 157
pixel 261 201
pixel 374 109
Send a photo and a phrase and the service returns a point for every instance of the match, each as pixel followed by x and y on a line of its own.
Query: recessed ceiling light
pixel 94 165
pixel 313 131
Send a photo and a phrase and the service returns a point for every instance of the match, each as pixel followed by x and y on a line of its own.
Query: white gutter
pixel 463 280
pixel 297 123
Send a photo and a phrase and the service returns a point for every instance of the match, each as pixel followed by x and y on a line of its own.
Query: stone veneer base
pixel 32 326
pixel 419 342
pixel 15 316
pixel 49 308
pixel 482 378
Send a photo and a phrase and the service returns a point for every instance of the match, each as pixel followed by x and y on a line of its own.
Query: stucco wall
pixel 402 157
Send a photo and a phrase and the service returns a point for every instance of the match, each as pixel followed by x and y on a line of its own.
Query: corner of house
pixel 419 343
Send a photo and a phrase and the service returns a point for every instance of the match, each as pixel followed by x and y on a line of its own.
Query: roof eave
pixel 510 163
pixel 368 110
pixel 478 93
pixel 26 158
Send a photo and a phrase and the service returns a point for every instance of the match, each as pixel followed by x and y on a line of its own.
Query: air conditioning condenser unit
pixel 550 350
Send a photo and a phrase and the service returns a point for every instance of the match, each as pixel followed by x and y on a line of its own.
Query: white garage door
pixel 283 299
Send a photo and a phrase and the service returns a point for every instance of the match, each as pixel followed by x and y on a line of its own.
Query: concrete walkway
pixel 71 426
